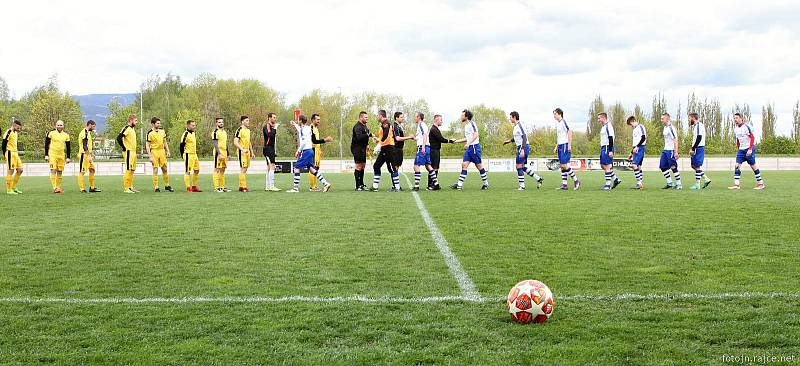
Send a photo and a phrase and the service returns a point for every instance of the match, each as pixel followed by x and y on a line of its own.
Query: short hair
pixel 218 118
pixel 603 114
pixel 695 115
pixel 630 120
pixel 382 112
pixel 421 116
pixel 270 114
pixel 154 120
pixel 435 116
pixel 189 122
pixel 90 122
pixel 468 114
pixel 738 114
pixel 314 116
pixel 361 113
pixel 17 122
pixel 397 115
pixel 514 115
pixel 242 118
pixel 131 117
pixel 559 112
pixel 303 118
pixel 665 114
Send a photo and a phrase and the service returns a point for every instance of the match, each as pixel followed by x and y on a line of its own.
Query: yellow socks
pixel 187 180
pixel 81 186
pixel 58 180
pixel 16 180
pixel 195 178
pixel 222 180
pixel 215 180
pixel 9 185
pixel 53 180
pixel 91 180
pixel 155 181
pixel 165 178
pixel 242 180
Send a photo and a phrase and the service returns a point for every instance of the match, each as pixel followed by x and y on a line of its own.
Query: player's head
pixel 737 117
pixel 17 125
pixel 693 118
pixel 632 121
pixel 466 115
pixel 558 114
pixel 271 118
pixel 437 120
pixel 220 122
pixel 156 123
pixel 399 117
pixel 419 117
pixel 602 117
pixel 60 125
pixel 90 125
pixel 513 117
pixel 244 121
pixel 381 115
pixel 362 117
pixel 132 120
pixel 315 119
pixel 665 118
pixel 191 125
pixel 303 119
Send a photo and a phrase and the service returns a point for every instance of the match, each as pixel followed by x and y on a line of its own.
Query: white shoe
pixel 760 187
pixel 520 188
pixel 326 188
pixel 293 190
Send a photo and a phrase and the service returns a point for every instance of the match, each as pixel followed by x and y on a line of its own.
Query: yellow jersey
pixel 128 138
pixel 315 136
pixel 221 137
pixel 57 143
pixel 189 143
pixel 157 139
pixel 10 140
pixel 86 138
pixel 243 134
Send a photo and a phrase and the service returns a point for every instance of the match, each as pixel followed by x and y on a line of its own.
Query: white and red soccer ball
pixel 530 301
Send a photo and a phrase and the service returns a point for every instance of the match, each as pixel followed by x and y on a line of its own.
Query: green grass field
pixel 356 277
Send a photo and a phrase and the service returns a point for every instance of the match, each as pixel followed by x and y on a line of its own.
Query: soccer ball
pixel 530 301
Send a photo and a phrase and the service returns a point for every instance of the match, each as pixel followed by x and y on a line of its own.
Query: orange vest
pixel 389 141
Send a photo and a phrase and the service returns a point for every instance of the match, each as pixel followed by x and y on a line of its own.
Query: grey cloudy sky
pixel 529 56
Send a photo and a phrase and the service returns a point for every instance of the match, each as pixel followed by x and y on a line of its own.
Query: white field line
pixel 365 299
pixel 468 289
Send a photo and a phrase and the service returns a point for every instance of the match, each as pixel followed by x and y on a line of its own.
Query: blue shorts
pixel 473 154
pixel 604 158
pixel 527 149
pixel 564 156
pixel 638 158
pixel 667 160
pixel 423 160
pixel 741 157
pixel 698 157
pixel 306 159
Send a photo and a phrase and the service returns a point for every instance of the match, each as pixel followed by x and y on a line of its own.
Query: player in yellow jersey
pixel 158 151
pixel 242 142
pixel 11 154
pixel 127 141
pixel 219 139
pixel 57 151
pixel 86 156
pixel 317 146
pixel 189 154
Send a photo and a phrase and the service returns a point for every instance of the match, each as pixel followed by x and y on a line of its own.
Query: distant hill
pixel 95 106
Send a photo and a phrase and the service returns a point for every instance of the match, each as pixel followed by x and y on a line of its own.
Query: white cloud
pixel 530 56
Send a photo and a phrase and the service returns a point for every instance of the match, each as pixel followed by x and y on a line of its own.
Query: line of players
pixel 389 143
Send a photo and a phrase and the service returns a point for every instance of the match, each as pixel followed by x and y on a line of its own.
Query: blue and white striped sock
pixel 572 174
pixel 666 175
pixel 532 173
pixel 758 176
pixel 484 177
pixel 608 179
pixel 395 180
pixel 417 177
pixel 321 178
pixel 563 177
pixel 521 177
pixel 639 175
pixel 296 181
pixel 462 177
pixel 677 174
pixel 376 179
pixel 434 176
pixel 737 175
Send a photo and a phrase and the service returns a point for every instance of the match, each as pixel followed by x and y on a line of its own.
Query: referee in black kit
pixel 358 146
pixel 436 139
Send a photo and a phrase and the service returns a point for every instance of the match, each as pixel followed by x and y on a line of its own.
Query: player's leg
pixel 664 165
pixel 417 177
pixel 82 162
pixel 522 163
pixel 757 172
pixel 677 175
pixel 187 177
pixel 155 178
pixel 195 165
pixel 463 175
pixel 376 170
pixel 296 181
pixel 318 174
pixel 393 174
pixel 312 179
pixel 483 173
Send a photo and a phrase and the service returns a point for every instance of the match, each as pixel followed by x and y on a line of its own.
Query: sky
pixel 528 56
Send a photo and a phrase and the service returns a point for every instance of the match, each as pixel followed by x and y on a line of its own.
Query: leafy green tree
pixel 768 120
pixel 44 106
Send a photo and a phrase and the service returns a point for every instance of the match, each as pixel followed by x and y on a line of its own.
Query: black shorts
pixel 269 154
pixel 397 157
pixel 435 158
pixel 359 154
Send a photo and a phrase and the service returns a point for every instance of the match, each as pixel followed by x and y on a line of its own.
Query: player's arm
pixel 120 139
pixel 166 146
pixel 47 147
pixel 5 142
pixel 697 139
pixel 69 149
pixel 147 146
pixel 610 145
pixel 569 139
pixel 675 134
pixel 237 144
pixel 752 142
pixel 183 142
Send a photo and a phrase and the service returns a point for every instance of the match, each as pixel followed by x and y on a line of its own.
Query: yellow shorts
pixel 159 158
pixel 57 163
pixel 130 160
pixel 317 156
pixel 221 160
pixel 13 162
pixel 191 163
pixel 86 163
pixel 244 159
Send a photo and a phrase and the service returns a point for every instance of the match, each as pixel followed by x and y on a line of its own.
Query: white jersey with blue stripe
pixel 470 130
pixel 562 130
pixel 422 134
pixel 669 137
pixel 638 132
pixel 743 133
pixel 520 137
pixel 303 137
pixel 605 132
pixel 699 129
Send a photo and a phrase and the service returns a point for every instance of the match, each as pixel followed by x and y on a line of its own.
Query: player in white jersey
pixel 564 150
pixel 520 140
pixel 746 151
pixel 423 157
pixel 607 152
pixel 637 151
pixel 472 151
pixel 305 156
pixel 698 151
pixel 669 156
